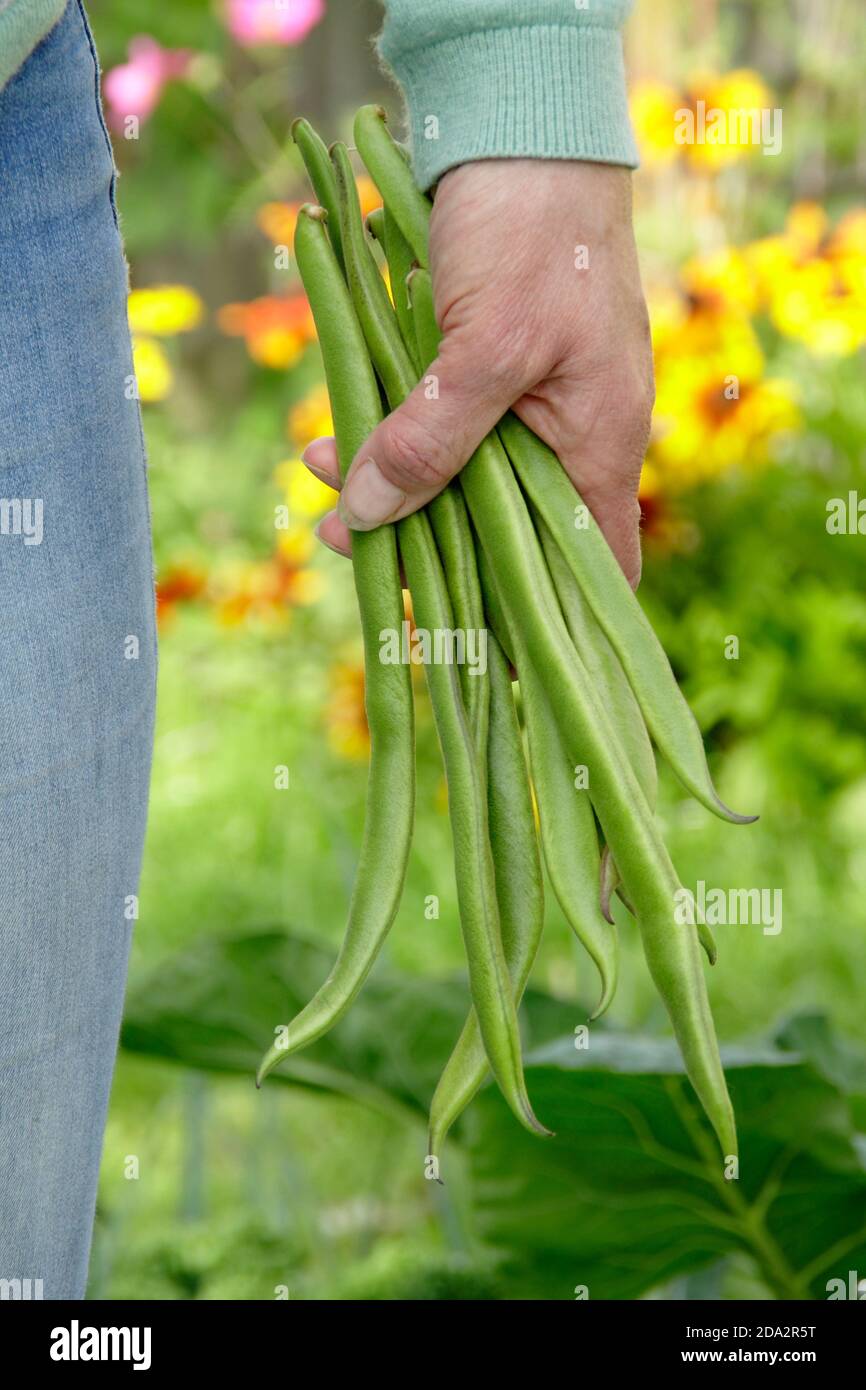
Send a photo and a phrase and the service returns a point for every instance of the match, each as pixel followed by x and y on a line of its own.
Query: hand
pixel 567 348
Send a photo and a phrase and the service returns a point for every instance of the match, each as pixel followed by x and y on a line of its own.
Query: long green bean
pixel 519 891
pixel 499 514
pixel 568 834
pixel 356 406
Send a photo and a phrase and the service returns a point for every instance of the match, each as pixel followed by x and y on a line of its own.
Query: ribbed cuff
pixel 540 91
pixel 24 24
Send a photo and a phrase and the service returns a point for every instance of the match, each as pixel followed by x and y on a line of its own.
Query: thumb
pixel 418 448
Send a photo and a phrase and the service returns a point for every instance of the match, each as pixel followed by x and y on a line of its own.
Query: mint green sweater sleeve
pixel 487 79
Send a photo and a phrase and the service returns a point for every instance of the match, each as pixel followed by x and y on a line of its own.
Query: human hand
pixel 567 348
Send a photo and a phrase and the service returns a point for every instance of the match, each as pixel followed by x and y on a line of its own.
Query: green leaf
pixel 215 1006
pixel 630 1193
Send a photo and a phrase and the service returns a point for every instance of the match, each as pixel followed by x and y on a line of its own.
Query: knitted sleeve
pixel 491 78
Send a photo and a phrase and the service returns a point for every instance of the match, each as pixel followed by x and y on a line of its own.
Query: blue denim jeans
pixel 77 657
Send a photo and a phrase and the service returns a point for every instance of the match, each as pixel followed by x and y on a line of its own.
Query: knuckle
pixel 414 455
pixel 508 350
pixel 495 347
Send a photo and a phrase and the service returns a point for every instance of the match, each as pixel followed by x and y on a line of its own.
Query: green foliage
pixel 629 1195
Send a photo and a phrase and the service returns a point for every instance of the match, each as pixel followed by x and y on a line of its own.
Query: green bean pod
pixel 606 672
pixel 618 613
pixel 387 166
pixel 568 834
pixel 356 407
pixel 489 982
pixel 395 360
pixel 317 162
pixel 602 664
pixel 519 891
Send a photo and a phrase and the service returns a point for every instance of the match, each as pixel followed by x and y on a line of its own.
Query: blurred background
pixel 755 269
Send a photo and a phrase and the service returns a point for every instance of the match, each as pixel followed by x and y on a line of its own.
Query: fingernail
pixel 326 543
pixel 319 473
pixel 368 499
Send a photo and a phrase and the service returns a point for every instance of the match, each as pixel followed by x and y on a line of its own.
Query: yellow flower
pixel 715 120
pixel 653 107
pixel 711 416
pixel 721 282
pixel 164 310
pixel 812 282
pixel 345 716
pixel 690 332
pixel 310 418
pixel 296 546
pixel 153 372
pixel 306 496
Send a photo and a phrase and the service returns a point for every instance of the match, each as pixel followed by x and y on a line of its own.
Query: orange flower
pixel 277 221
pixel 267 590
pixel 177 585
pixel 276 328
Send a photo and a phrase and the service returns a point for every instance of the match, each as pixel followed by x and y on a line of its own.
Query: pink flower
pixel 134 88
pixel 253 22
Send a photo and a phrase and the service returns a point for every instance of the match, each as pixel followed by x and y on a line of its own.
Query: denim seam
pixel 97 91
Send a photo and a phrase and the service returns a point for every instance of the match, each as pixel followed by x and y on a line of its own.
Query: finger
pixel 334 533
pixel 320 456
pixel 414 453
pixel 601 447
pixel 618 514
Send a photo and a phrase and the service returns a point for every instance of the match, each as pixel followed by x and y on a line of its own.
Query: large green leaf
pixel 630 1193
pixel 215 1006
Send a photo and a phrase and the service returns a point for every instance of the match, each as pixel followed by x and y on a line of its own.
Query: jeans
pixel 77 657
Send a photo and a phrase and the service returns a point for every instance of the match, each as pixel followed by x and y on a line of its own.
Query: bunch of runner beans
pixel 497 550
